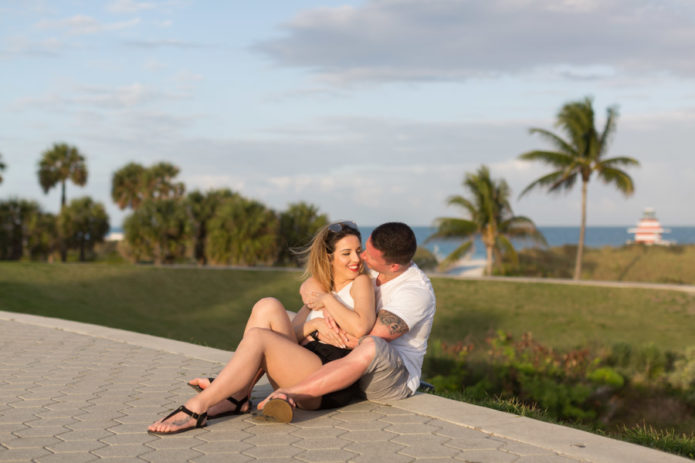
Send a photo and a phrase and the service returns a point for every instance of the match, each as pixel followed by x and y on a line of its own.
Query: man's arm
pixel 387 326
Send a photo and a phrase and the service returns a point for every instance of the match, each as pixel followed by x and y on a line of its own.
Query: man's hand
pixel 307 290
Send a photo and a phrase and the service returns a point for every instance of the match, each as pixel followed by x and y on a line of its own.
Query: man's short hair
pixel 396 241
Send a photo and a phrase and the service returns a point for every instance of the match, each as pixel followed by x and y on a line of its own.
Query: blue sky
pixel 372 110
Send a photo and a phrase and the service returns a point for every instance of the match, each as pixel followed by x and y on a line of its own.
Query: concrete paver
pixel 76 392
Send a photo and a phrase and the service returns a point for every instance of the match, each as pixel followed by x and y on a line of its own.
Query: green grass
pixel 207 307
pixel 655 264
pixel 210 306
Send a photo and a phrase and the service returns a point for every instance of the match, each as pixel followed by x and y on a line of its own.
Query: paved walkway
pixel 72 392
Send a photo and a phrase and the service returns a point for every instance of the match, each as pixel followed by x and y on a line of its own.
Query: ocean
pixel 596 237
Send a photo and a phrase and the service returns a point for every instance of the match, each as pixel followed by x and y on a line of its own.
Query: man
pixel 387 363
pixel 385 370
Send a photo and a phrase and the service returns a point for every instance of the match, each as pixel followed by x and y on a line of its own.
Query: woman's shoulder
pixel 361 281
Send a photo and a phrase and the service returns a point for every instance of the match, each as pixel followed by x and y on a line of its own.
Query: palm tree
pixel 201 207
pixel 133 183
pixel 490 217
pixel 126 186
pixel 579 156
pixel 59 164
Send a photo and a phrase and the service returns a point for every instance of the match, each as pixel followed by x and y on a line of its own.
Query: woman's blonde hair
pixel 320 252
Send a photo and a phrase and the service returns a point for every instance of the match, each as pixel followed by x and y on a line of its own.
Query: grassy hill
pixel 655 264
pixel 209 306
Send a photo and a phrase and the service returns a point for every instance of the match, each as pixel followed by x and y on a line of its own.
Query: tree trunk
pixel 62 194
pixel 488 263
pixel 582 229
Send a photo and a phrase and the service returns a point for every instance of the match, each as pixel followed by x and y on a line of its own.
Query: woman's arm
pixel 357 322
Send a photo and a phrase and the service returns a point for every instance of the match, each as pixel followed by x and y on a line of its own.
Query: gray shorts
pixel 386 377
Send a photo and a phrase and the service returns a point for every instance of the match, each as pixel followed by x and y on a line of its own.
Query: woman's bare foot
pixel 200 384
pixel 181 419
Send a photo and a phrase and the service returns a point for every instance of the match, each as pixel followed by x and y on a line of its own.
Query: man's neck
pixel 383 278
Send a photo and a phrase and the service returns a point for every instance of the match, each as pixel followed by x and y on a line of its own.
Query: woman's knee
pixel 267 306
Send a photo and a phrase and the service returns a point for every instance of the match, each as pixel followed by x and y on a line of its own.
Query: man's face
pixel 374 258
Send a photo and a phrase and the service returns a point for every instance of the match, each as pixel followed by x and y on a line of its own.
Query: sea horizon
pixel 597 236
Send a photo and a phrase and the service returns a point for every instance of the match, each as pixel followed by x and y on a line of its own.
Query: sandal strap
pixel 238 403
pixel 199 417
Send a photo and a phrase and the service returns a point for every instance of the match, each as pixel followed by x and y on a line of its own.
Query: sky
pixel 371 110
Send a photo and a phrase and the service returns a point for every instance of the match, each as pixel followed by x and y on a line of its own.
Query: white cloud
pixel 129 6
pixel 402 40
pixel 83 25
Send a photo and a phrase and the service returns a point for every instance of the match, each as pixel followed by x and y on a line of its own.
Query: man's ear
pixel 395 268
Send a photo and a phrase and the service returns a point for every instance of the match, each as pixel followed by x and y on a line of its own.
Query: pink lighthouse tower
pixel 649 230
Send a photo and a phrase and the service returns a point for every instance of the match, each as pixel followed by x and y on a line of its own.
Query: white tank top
pixel 343 296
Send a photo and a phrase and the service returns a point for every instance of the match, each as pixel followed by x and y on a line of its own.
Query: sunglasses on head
pixel 339 226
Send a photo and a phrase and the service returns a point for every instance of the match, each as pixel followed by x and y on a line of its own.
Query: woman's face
pixel 346 259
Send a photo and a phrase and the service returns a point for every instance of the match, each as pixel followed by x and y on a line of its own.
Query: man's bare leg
pixel 331 377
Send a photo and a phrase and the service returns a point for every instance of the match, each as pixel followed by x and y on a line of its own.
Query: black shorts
pixel 328 353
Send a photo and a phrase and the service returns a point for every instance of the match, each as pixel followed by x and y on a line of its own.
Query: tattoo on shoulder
pixel 395 323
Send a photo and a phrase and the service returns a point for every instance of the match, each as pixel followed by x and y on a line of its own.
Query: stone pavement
pixel 72 392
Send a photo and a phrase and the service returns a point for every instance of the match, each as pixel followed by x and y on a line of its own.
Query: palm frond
pixel 618 178
pixel 451 227
pixel 507 248
pixel 557 141
pixel 457 253
pixel 620 161
pixel 553 158
pixel 551 181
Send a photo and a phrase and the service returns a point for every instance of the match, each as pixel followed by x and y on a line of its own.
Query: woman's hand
pixel 330 332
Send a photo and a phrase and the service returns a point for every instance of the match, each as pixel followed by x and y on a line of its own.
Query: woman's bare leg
pixel 267 313
pixel 285 361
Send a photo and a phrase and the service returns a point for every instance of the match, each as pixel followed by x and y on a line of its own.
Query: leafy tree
pixel 201 207
pixel 133 184
pixel 242 232
pixel 15 215
pixel 2 167
pixel 159 182
pixel 578 156
pixel 42 236
pixel 126 186
pixel 297 225
pixel 490 216
pixel 157 230
pixel 58 165
pixel 83 223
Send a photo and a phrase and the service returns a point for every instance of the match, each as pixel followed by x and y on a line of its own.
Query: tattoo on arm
pixel 396 324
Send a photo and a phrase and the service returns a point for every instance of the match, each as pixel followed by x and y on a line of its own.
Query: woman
pixel 271 342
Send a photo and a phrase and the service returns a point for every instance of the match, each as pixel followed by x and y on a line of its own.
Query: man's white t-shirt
pixel 409 296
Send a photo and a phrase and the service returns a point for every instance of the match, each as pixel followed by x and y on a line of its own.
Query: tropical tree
pixel 2 167
pixel 578 156
pixel 42 238
pixel 58 165
pixel 126 186
pixel 489 216
pixel 134 183
pixel 242 232
pixel 297 225
pixel 15 216
pixel 83 223
pixel 201 207
pixel 157 230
